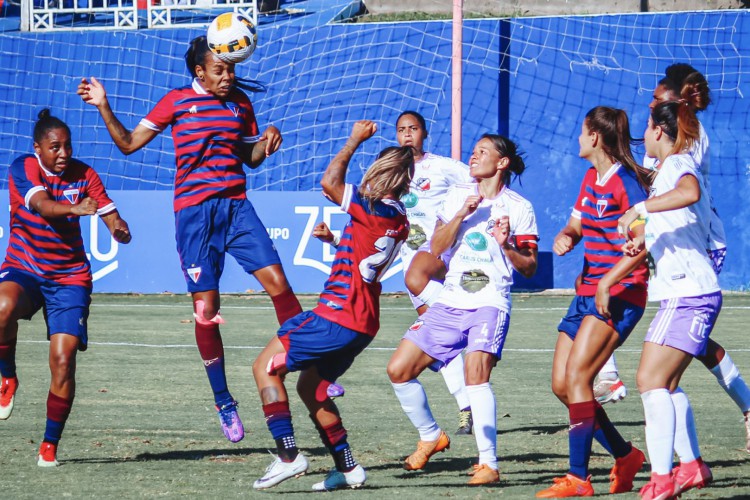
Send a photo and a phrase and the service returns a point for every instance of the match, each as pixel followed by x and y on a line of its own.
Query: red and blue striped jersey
pixel 207 133
pixel 52 249
pixel 369 244
pixel 600 204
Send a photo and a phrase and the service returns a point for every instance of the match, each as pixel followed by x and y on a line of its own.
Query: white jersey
pixel 479 273
pixel 677 239
pixel 699 152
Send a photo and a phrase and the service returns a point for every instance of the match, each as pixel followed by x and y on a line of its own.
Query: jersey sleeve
pixel 27 178
pixel 631 193
pixel 456 172
pixel 162 115
pixel 675 167
pixel 524 226
pixel 95 190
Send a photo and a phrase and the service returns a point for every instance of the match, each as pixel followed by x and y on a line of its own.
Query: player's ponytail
pixel 45 123
pixel 613 128
pixel 196 55
pixel 507 149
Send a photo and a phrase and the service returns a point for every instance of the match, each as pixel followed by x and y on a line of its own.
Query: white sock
pixel 685 435
pixel 730 379
pixel 414 403
pixel 430 293
pixel 484 413
pixel 453 374
pixel 609 370
pixel 660 427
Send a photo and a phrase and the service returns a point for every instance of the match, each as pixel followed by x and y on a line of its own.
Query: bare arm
pixel 333 181
pixel 117 226
pixel 523 260
pixel 51 209
pixel 254 154
pixel 687 192
pixel 126 141
pixel 445 233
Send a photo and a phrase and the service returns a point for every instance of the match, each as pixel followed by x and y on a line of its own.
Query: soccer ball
pixel 232 37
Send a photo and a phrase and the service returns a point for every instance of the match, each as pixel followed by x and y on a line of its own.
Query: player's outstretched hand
pixel 323 232
pixel 92 92
pixel 87 206
pixel 363 130
pixel 272 138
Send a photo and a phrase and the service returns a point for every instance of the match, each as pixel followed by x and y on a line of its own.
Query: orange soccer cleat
pixel 425 449
pixel 8 388
pixel 568 486
pixel 484 474
pixel 47 456
pixel 687 476
pixel 624 471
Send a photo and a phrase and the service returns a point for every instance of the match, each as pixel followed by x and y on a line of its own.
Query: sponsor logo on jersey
pixel 423 183
pixel 416 325
pixel 476 241
pixel 194 273
pixel 71 195
pixel 601 207
pixel 410 200
pixel 416 238
pixel 193 109
pixel 333 305
pixel 474 280
pixel 4 274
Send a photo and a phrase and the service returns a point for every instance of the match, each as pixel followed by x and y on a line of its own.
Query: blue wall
pixel 533 79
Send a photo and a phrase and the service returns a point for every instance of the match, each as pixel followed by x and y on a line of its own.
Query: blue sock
pixel 618 447
pixel 602 440
pixel 279 422
pixel 218 380
pixel 580 436
pixel 8 360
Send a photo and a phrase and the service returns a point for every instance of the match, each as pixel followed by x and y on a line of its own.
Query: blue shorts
pixel 310 340
pixel 207 231
pixel 66 307
pixel 624 316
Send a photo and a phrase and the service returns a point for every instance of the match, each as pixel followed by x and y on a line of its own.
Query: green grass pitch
pixel 143 423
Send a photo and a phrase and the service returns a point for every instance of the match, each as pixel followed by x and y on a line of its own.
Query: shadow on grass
pixel 554 429
pixel 237 455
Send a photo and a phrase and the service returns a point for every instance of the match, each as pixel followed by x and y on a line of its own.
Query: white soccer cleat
pixel 606 391
pixel 279 471
pixel 335 480
pixel 8 387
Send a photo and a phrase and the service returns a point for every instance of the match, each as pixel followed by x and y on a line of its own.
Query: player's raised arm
pixel 93 92
pixel 334 177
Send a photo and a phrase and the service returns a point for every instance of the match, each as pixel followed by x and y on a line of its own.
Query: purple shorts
pixel 443 332
pixel 685 323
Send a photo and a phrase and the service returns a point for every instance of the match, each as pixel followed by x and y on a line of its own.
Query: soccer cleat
pixel 747 431
pixel 425 449
pixel 658 489
pixel 335 480
pixel 610 390
pixel 568 486
pixel 465 423
pixel 335 390
pixel 279 471
pixel 8 388
pixel 230 422
pixel 484 474
pixel 47 456
pixel 624 471
pixel 687 476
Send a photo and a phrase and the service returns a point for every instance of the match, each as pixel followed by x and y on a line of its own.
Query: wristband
pixel 335 241
pixel 640 209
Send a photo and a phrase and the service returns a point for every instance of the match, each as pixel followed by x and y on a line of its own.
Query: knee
pixel 643 381
pixel 7 311
pixel 397 371
pixel 62 366
pixel 415 281
pixel 559 388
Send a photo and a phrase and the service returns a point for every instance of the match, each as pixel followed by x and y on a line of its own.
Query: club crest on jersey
pixel 416 325
pixel 423 183
pixel 233 108
pixel 601 207
pixel 194 273
pixel 71 195
pixel 490 226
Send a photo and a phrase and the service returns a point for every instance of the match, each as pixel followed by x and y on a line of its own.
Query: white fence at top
pixel 56 15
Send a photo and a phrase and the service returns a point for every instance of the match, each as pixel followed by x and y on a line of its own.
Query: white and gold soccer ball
pixel 232 37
